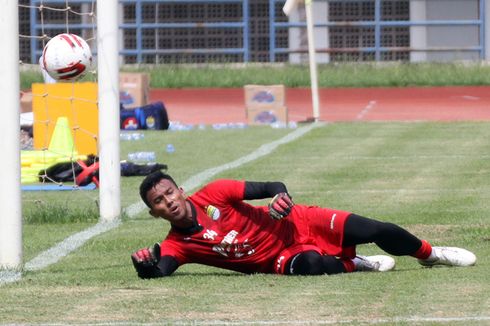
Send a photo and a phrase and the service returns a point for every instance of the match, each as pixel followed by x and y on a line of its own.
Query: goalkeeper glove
pixel 145 260
pixel 280 206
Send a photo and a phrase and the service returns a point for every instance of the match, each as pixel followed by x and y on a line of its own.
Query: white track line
pixel 366 109
pixel 75 241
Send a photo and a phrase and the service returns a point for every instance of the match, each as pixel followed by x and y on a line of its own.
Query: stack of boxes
pixel 266 104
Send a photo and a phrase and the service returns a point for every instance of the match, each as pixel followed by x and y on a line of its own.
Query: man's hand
pixel 280 206
pixel 146 257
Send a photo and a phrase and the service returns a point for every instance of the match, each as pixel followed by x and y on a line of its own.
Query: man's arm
pixel 149 264
pixel 261 190
pixel 281 204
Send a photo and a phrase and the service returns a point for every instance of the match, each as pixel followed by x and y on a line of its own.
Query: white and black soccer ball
pixel 66 57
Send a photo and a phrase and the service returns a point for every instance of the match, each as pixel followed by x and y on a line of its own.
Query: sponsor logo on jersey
pixel 231 247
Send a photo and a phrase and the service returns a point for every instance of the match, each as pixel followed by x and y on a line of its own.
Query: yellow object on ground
pixel 77 102
pixel 61 149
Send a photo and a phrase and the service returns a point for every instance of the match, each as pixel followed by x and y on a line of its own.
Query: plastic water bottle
pixel 124 136
pixel 142 157
pixel 170 148
pixel 131 136
pixel 293 124
pixel 278 125
pixel 137 136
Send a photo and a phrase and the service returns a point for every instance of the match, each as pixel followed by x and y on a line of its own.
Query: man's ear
pixel 182 192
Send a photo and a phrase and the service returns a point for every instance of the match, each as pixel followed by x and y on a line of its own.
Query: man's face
pixel 168 202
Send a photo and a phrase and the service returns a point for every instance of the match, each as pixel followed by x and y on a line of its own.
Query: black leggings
pixel 357 230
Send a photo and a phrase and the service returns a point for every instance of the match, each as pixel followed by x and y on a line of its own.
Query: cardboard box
pixel 25 102
pixel 265 96
pixel 263 115
pixel 134 89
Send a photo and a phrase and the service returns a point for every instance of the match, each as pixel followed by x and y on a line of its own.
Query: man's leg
pixel 399 242
pixel 314 263
pixel 388 236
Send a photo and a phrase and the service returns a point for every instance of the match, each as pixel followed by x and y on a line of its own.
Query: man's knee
pixel 306 263
pixel 314 263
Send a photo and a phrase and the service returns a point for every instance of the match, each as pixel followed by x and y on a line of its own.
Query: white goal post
pixel 11 255
pixel 108 85
pixel 10 192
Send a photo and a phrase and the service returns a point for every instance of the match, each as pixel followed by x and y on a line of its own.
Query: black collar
pixel 194 228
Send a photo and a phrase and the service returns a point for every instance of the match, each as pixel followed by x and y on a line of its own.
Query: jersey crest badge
pixel 212 212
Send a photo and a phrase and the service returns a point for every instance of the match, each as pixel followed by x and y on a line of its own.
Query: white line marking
pixel 465 97
pixel 75 241
pixel 470 97
pixel 7 276
pixel 366 109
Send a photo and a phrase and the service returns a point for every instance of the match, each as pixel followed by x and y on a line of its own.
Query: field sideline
pixel 429 177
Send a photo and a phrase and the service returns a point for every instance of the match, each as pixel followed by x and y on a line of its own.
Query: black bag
pixel 87 171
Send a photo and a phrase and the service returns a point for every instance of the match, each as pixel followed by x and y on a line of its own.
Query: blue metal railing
pixel 139 26
pixel 377 24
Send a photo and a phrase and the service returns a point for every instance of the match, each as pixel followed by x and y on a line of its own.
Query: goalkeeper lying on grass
pixel 216 227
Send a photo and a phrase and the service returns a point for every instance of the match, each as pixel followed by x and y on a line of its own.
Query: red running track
pixel 201 105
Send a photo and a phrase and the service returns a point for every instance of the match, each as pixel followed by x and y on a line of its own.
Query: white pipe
pixel 312 58
pixel 108 79
pixel 10 193
pixel 289 6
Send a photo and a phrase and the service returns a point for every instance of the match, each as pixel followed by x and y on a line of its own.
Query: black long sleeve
pixel 261 190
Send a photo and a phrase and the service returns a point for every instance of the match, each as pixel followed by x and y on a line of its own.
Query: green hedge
pixel 329 75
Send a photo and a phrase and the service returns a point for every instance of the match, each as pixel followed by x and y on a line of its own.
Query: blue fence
pixel 377 23
pixel 139 26
pixel 241 26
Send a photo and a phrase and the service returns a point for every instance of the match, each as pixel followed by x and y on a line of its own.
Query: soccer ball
pixel 66 57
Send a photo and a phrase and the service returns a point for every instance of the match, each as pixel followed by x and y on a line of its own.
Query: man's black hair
pixel 151 181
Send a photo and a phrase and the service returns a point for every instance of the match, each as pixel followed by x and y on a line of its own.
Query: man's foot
pixel 378 263
pixel 450 256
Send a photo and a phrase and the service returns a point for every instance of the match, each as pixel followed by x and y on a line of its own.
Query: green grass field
pixel 432 178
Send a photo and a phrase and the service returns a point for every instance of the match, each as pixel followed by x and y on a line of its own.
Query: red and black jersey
pixel 238 236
